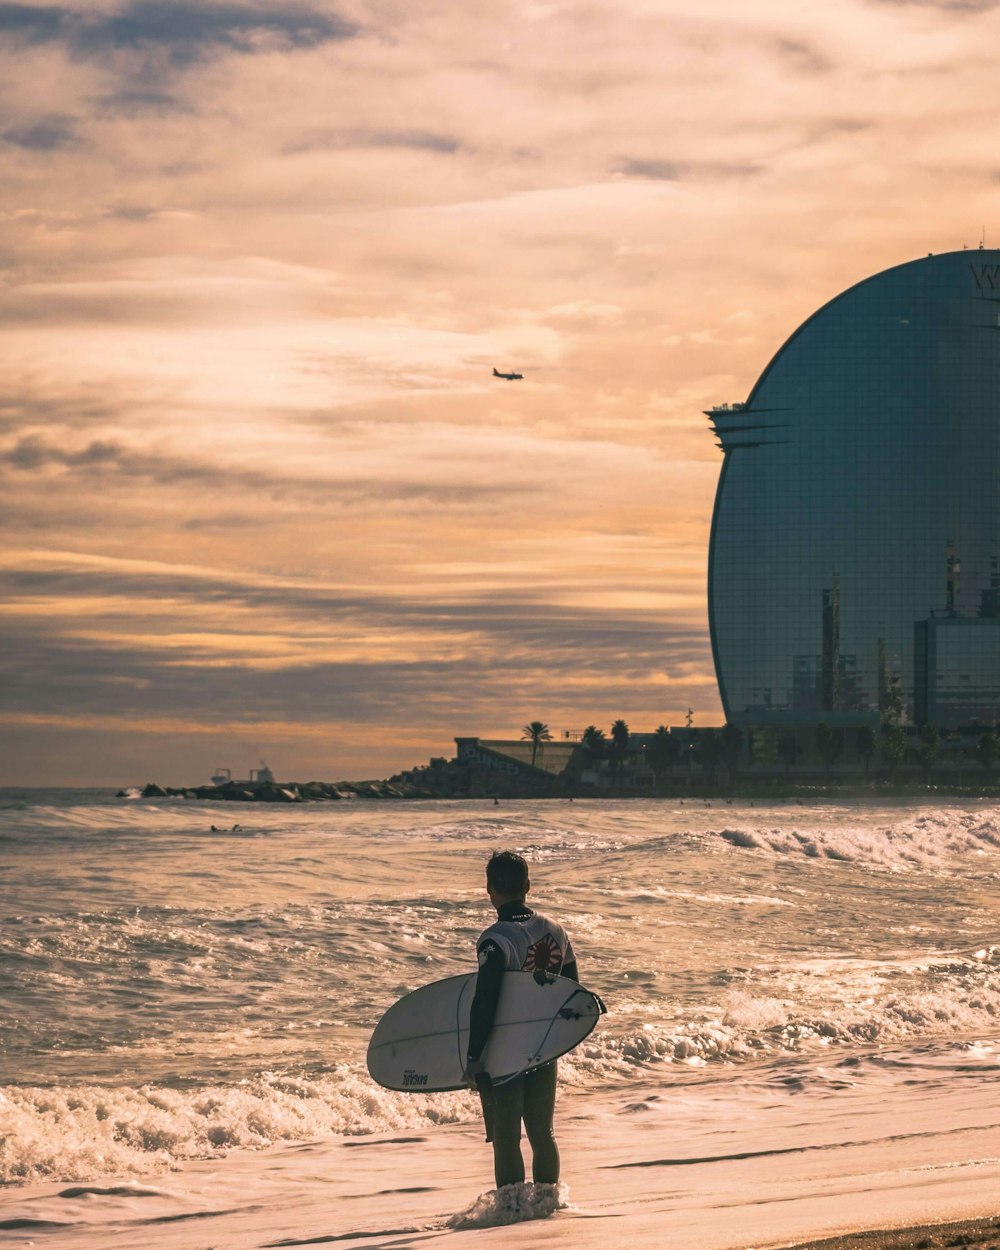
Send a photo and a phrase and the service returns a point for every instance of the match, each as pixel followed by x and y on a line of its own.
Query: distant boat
pixel 221 776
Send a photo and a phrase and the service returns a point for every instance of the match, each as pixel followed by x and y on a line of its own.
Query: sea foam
pixel 512 1204
pixel 84 1132
pixel 930 839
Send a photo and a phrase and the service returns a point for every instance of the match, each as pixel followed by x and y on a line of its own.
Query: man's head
pixel 507 877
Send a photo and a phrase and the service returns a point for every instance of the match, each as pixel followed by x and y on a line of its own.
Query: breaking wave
pixel 83 1132
pixel 929 840
pixel 824 1003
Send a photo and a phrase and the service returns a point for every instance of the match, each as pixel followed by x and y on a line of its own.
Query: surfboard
pixel 420 1044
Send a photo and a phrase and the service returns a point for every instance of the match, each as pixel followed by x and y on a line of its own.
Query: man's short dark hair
pixel 507 873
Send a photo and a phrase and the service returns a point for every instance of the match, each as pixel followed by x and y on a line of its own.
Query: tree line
pixel 711 748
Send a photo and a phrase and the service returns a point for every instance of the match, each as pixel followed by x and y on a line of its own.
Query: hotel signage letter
pixel 987 277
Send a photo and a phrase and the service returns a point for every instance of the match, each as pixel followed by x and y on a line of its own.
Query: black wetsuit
pixel 520 939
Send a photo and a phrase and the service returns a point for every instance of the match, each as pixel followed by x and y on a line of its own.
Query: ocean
pixel 172 993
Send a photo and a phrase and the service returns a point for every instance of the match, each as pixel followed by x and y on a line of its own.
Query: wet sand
pixel 981 1234
pixel 698 1169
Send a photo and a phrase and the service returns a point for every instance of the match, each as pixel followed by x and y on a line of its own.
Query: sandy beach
pixel 867 1165
pixel 982 1234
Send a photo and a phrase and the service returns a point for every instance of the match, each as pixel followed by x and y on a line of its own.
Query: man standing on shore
pixel 519 939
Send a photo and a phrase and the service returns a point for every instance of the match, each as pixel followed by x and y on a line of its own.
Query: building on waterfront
pixel 566 758
pixel 854 567
pixel 514 757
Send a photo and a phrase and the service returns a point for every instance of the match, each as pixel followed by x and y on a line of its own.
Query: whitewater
pixel 803 1002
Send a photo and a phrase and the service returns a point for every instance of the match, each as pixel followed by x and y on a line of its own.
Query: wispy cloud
pixel 49 134
pixel 188 31
pixel 953 6
pixel 257 262
pixel 418 140
pixel 173 648
pixel 676 171
pixel 130 102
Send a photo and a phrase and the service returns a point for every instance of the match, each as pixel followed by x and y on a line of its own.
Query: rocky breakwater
pixel 281 792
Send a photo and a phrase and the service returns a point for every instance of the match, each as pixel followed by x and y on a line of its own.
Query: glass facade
pixel 854 569
pixel 957 671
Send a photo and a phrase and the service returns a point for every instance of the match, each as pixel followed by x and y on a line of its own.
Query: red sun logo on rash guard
pixel 543 956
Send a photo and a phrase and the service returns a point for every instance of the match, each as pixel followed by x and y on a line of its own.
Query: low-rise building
pixel 518 757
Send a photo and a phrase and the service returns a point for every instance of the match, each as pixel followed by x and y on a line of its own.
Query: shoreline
pixel 976 1234
pixel 693 1175
pixel 766 791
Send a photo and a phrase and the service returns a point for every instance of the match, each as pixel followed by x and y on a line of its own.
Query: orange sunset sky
pixel 262 498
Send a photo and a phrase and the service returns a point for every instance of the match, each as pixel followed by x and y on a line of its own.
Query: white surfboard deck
pixel 419 1046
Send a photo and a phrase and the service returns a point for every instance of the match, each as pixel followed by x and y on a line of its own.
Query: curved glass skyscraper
pixel 854 569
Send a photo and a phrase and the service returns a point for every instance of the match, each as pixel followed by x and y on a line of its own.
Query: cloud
pixel 187 31
pixel 423 140
pixel 657 171
pixel 34 23
pixel 675 171
pixel 415 140
pixel 131 212
pixel 952 6
pixel 445 687
pixel 34 453
pixel 28 399
pixel 258 261
pixel 136 101
pixel 134 641
pixel 802 57
pixel 50 134
pixel 101 459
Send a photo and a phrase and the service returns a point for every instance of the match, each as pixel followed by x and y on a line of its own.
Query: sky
pixel 261 498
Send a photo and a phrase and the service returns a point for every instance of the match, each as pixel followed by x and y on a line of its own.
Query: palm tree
pixel 662 752
pixel 595 745
pixel 537 732
pixel 619 739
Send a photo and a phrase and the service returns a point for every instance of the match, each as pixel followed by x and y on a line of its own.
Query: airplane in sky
pixel 509 377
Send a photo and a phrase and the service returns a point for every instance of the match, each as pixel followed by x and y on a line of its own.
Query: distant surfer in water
pixel 520 939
